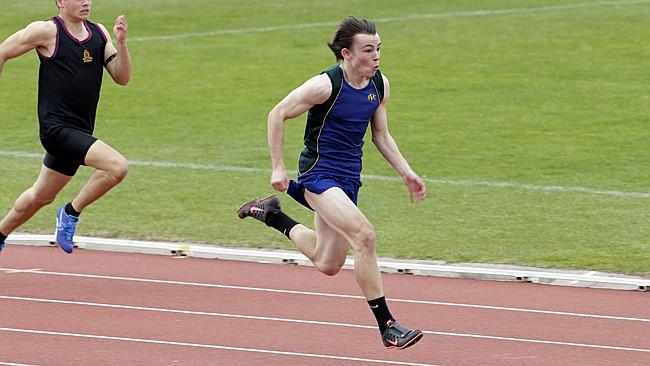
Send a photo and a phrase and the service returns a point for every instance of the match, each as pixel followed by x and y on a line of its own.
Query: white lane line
pixel 314 322
pixel 570 344
pixel 22 270
pixel 213 346
pixel 15 364
pixel 450 182
pixel 186 312
pixel 455 14
pixel 307 293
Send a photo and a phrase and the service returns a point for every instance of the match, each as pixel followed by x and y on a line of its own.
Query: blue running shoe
pixel 2 246
pixel 65 226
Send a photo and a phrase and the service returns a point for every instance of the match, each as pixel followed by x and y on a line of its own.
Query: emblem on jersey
pixel 87 57
pixel 372 97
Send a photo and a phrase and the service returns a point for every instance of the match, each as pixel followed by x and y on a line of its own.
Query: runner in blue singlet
pixel 342 102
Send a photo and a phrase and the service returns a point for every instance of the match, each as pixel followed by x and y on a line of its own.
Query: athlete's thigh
pixel 103 157
pixel 331 246
pixel 336 209
pixel 50 182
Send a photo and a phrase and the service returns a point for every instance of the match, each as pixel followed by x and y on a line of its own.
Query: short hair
pixel 344 36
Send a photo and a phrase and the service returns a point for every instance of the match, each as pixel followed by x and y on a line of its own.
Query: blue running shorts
pixel 319 183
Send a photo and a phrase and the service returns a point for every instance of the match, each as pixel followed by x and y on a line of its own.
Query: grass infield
pixel 529 121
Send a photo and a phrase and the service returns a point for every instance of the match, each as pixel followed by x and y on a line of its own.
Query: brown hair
pixel 344 35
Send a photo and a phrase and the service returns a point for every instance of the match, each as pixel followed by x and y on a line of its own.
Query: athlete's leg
pixel 110 169
pixel 305 240
pixel 325 247
pixel 340 214
pixel 48 184
pixel 336 210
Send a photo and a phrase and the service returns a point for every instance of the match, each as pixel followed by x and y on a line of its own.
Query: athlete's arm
pixel 36 35
pixel 389 150
pixel 117 60
pixel 313 91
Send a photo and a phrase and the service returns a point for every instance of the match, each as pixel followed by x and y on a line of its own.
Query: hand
pixel 416 187
pixel 280 180
pixel 120 29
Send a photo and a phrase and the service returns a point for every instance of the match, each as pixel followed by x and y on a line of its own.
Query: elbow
pixel 276 117
pixel 123 81
pixel 377 141
pixel 273 114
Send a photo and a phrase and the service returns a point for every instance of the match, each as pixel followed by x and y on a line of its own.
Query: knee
pixel 119 169
pixel 330 268
pixel 366 239
pixel 42 200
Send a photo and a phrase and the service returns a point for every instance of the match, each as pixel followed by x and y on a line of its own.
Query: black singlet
pixel 70 80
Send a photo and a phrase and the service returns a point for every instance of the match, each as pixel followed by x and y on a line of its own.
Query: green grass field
pixel 529 120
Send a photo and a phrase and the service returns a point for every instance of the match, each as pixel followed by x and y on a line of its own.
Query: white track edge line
pixel 439 181
pixel 456 14
pixel 225 315
pixel 199 345
pixel 293 292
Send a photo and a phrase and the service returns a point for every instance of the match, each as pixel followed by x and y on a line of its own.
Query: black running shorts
pixel 66 149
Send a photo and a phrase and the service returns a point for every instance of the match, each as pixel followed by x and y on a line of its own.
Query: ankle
pixel 71 211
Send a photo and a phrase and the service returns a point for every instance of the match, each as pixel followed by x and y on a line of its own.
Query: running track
pixel 104 308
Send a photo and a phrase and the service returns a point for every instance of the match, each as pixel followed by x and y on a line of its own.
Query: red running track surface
pixel 104 308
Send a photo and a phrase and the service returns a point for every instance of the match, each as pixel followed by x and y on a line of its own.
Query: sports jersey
pixel 335 129
pixel 70 80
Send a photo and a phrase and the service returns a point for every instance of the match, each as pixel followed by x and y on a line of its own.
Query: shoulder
pixel 317 88
pixel 104 31
pixel 37 34
pixel 40 29
pixel 384 78
pixel 320 83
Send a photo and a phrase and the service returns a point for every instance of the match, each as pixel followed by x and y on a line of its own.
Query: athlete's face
pixel 365 54
pixel 76 9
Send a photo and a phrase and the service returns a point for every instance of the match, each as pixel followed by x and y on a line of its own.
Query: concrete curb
pixel 474 271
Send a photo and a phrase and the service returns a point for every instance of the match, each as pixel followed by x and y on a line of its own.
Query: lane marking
pixel 213 346
pixel 581 345
pixel 15 364
pixel 441 181
pixel 307 293
pixel 455 14
pixel 22 270
pixel 314 322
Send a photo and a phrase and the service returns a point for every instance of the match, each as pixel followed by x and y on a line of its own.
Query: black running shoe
pixel 260 208
pixel 397 336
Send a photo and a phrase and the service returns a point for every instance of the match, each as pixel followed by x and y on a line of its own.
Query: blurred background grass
pixel 517 114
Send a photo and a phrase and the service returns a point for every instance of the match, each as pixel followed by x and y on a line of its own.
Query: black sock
pixel 3 237
pixel 380 309
pixel 71 211
pixel 281 222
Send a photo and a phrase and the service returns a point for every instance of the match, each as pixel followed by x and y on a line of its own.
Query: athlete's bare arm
pixel 119 66
pixel 389 150
pixel 313 91
pixel 39 35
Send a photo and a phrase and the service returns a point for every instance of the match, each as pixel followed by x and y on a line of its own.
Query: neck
pixel 353 78
pixel 73 24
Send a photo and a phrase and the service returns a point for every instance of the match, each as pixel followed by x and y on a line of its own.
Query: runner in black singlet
pixel 73 52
